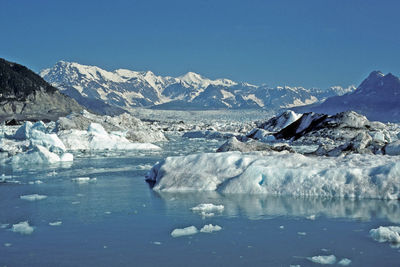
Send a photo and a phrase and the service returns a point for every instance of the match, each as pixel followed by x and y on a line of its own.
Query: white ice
pixel 273 173
pixel 208 207
pixel 190 230
pixel 389 234
pixel 56 223
pixel 344 262
pixel 83 180
pixel 33 197
pixel 209 228
pixel 265 173
pixel 22 228
pixel 331 259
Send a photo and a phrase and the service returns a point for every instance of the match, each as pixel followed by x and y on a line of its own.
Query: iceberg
pixel 331 259
pixel 22 228
pixel 190 230
pixel 33 197
pixel 389 234
pixel 209 228
pixel 280 173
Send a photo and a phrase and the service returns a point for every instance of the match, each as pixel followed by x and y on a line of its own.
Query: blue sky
pixel 282 42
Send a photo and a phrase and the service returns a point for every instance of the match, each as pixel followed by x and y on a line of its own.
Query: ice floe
pixel 56 223
pixel 33 197
pixel 330 259
pixel 22 228
pixel 344 262
pixel 208 207
pixel 190 230
pixel 83 180
pixel 272 173
pixel 390 234
pixel 209 228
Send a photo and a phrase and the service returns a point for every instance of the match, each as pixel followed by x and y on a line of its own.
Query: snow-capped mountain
pixel 108 92
pixel 377 97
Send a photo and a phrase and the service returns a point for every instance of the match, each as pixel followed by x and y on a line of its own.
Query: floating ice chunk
pixel 331 259
pixel 311 217
pixel 3 225
pixel 393 148
pixel 344 262
pixel 35 182
pixel 66 157
pixel 209 228
pixel 190 230
pixel 208 207
pixel 50 141
pixel 272 173
pixel 97 129
pixel 56 223
pixel 24 131
pixel 7 244
pixel 22 228
pixel 157 243
pixel 37 155
pixel 83 180
pixel 389 234
pixel 33 197
pixel 302 233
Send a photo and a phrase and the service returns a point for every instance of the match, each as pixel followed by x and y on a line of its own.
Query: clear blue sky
pixel 294 42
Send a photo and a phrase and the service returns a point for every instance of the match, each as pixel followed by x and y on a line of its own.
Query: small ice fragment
pixel 208 207
pixel 107 212
pixel 157 243
pixel 301 233
pixel 297 265
pixel 22 228
pixel 331 259
pixel 7 244
pixel 75 202
pixel 344 262
pixel 281 227
pixel 35 182
pixel 56 223
pixel 209 228
pixel 33 197
pixel 83 180
pixel 190 230
pixel 4 225
pixel 311 217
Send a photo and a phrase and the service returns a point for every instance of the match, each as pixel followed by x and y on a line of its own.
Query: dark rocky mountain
pixel 24 95
pixel 377 97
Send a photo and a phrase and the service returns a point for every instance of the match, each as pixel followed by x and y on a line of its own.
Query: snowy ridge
pixel 92 86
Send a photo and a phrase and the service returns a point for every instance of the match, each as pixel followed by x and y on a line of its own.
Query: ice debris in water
pixel 33 197
pixel 83 180
pixel 56 223
pixel 22 228
pixel 389 234
pixel 344 262
pixel 331 259
pixel 190 230
pixel 209 228
pixel 208 207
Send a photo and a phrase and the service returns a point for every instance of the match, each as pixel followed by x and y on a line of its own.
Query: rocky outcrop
pixel 24 95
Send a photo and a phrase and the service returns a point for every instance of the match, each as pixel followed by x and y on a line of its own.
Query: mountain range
pixel 377 97
pixel 24 95
pixel 112 92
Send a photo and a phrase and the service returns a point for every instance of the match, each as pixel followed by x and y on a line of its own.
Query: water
pixel 118 220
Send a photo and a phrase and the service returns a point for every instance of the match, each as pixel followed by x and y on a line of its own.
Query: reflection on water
pixel 259 207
